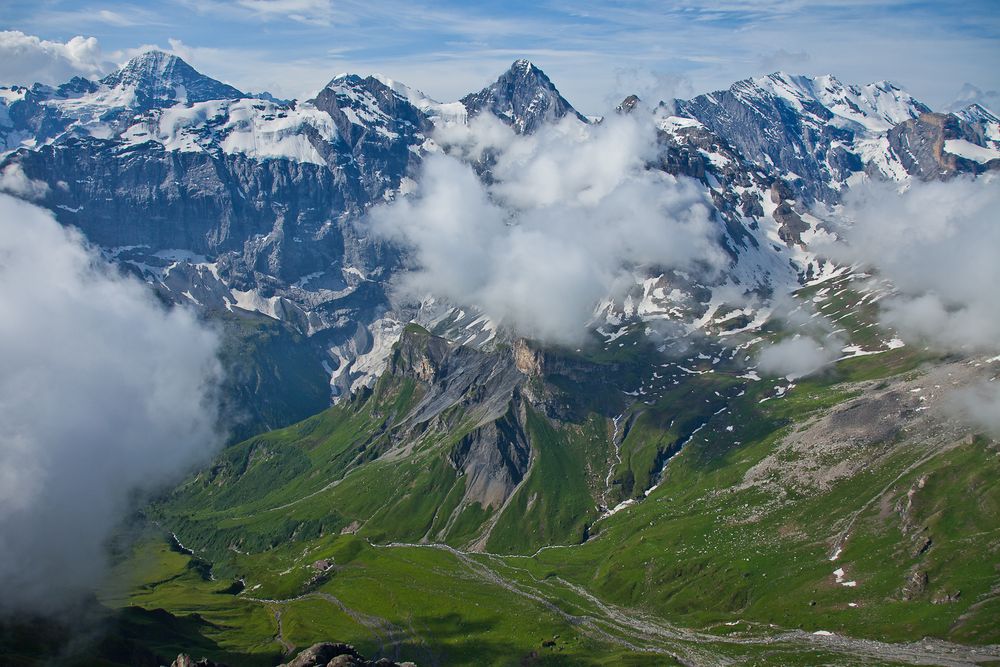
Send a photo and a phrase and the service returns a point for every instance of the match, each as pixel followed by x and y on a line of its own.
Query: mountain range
pixel 422 479
pixel 231 202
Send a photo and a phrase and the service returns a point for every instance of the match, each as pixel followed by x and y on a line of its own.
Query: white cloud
pixel 796 357
pixel 568 213
pixel 979 404
pixel 26 59
pixel 970 94
pixel 650 86
pixel 938 244
pixel 14 181
pixel 103 393
pixel 320 12
pixel 781 59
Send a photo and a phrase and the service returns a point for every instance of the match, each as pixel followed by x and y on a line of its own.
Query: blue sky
pixel 595 52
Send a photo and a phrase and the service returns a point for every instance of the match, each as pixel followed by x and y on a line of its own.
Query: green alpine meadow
pixel 700 369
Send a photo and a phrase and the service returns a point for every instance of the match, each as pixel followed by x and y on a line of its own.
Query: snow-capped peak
pixel 147 65
pixel 876 106
pixel 977 113
pixel 447 112
pixel 525 66
pixel 523 97
pixel 156 76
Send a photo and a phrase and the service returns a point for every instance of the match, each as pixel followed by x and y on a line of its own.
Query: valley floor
pixel 847 518
pixel 437 605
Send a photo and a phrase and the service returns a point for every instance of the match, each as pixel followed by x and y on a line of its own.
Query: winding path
pixel 640 631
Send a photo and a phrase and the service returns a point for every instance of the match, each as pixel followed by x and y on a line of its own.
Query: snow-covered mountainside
pixel 102 109
pixel 237 204
pixel 155 77
pixel 822 135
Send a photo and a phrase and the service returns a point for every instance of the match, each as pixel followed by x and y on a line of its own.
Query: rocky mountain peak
pixel 368 109
pixel 815 130
pixel 628 104
pixel 368 94
pixel 977 113
pixel 875 106
pixel 524 66
pixel 344 79
pixel 157 76
pixel 523 97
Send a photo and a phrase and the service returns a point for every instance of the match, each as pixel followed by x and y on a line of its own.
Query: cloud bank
pixel 938 244
pixel 26 59
pixel 103 393
pixel 560 222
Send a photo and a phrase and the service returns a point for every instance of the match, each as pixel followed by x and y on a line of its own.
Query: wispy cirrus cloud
pixel 450 48
pixel 322 13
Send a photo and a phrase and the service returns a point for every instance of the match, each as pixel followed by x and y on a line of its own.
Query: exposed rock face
pixel 916 585
pixel 750 205
pixel 184 660
pixel 780 191
pixel 494 457
pixel 418 355
pixel 681 159
pixel 977 114
pixel 523 97
pixel 811 128
pixel 379 151
pixel 792 224
pixel 527 360
pixel 946 597
pixel 325 654
pixel 495 453
pixel 920 145
pixel 328 654
pixel 204 203
pixel 843 441
pixel 628 105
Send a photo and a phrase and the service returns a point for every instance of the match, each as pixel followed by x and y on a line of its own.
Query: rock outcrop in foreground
pixel 324 654
pixel 338 655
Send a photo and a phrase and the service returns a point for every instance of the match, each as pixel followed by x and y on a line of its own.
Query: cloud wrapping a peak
pixel 103 393
pixel 567 214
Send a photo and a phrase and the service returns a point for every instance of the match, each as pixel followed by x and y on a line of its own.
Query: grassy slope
pixel 273 376
pixel 695 551
pixel 413 603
